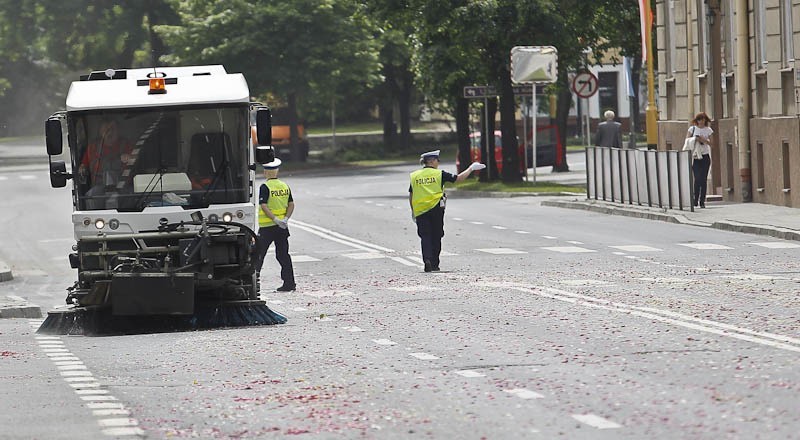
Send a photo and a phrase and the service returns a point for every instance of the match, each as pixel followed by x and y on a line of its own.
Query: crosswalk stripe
pixel 568 249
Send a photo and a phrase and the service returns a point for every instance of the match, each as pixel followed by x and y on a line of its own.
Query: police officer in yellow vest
pixel 275 208
pixel 426 196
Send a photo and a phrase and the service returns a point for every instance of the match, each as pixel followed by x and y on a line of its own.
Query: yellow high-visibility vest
pixel 427 189
pixel 277 202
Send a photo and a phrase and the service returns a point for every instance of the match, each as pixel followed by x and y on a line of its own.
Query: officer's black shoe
pixel 435 269
pixel 286 288
pixel 428 266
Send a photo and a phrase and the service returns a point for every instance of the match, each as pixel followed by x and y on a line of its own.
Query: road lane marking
pixel 90 392
pixel 117 422
pixel 110 412
pixel 105 405
pixel 353 329
pixel 522 232
pixel 776 244
pixel 477 223
pixel 403 261
pixel 27 177
pixel 365 256
pixel 303 259
pixel 705 246
pixel 568 249
pixel 123 432
pixel 574 242
pixel 665 316
pixel 80 385
pixel 500 227
pixel 100 398
pixel 424 356
pixel 415 288
pixel 384 342
pixel 596 421
pixel 637 248
pixel 501 251
pixel 524 393
pixel 469 373
pixel 339 238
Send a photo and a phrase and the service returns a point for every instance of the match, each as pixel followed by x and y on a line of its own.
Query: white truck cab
pixel 162 167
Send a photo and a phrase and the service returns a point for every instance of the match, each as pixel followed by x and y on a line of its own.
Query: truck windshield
pixel 134 158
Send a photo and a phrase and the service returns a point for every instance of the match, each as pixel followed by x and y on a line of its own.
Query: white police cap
pixel 429 154
pixel 274 165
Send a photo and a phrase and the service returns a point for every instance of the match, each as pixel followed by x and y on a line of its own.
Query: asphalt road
pixel 544 323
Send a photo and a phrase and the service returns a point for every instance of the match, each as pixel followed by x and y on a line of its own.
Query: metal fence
pixel 640 177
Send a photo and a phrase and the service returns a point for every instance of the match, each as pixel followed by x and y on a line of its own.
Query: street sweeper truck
pixel 162 169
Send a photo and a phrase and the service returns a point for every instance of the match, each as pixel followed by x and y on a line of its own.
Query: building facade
pixel 734 59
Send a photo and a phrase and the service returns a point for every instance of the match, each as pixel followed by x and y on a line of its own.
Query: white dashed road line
pixel 637 248
pixel 524 393
pixel 501 251
pixel 424 356
pixel 568 249
pixel 469 373
pixel 705 246
pixel 88 389
pixel 596 421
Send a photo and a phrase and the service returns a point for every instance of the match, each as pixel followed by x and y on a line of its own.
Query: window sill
pixel 761 190
pixel 761 72
pixel 786 190
pixel 787 69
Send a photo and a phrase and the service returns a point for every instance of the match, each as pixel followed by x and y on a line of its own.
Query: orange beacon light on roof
pixel 157 86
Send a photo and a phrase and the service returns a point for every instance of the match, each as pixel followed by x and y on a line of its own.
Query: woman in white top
pixel 702 132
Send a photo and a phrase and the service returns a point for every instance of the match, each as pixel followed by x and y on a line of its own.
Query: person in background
pixel 276 206
pixel 702 132
pixel 427 200
pixel 609 133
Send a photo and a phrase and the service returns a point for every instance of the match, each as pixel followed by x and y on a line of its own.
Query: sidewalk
pixel 751 218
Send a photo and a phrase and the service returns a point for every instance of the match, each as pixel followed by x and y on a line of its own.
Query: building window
pixel 761 94
pixel 760 34
pixel 787 34
pixel 787 92
pixel 787 169
pixel 703 42
pixel 607 90
pixel 729 31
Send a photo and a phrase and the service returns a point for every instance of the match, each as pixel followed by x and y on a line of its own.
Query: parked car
pixel 547 140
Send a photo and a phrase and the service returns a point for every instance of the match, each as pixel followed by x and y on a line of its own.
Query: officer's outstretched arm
pixel 473 167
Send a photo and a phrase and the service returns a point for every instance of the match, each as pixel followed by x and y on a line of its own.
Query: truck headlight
pixel 240 214
pixel 99 223
pixel 213 218
pixel 227 217
pixel 113 223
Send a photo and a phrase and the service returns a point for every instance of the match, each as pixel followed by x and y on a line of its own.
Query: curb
pixel 17 307
pixel 725 225
pixel 467 194
pixel 5 272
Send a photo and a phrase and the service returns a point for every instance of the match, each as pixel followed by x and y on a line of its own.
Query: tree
pixel 289 48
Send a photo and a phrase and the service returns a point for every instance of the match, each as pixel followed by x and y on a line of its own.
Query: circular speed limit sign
pixel 585 84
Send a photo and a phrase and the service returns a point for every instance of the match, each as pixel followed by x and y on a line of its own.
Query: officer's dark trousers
pixel 700 169
pixel 430 228
pixel 268 235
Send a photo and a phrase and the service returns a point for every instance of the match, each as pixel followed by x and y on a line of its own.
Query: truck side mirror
pixel 58 174
pixel 265 154
pixel 263 126
pixel 53 137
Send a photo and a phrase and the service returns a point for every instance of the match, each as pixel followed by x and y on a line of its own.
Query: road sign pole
pixel 487 159
pixel 524 137
pixel 533 131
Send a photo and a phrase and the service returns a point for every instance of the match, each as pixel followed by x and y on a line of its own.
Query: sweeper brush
pixel 98 321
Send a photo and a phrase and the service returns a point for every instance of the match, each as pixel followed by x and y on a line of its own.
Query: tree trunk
pixel 487 145
pixel 508 128
pixel 404 104
pixel 294 141
pixel 562 115
pixel 462 133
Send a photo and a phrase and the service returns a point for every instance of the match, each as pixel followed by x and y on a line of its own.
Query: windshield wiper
pixel 148 190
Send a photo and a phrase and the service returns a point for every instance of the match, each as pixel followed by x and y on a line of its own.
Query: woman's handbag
pixel 691 144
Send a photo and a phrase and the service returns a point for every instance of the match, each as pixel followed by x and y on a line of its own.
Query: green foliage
pixel 307 47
